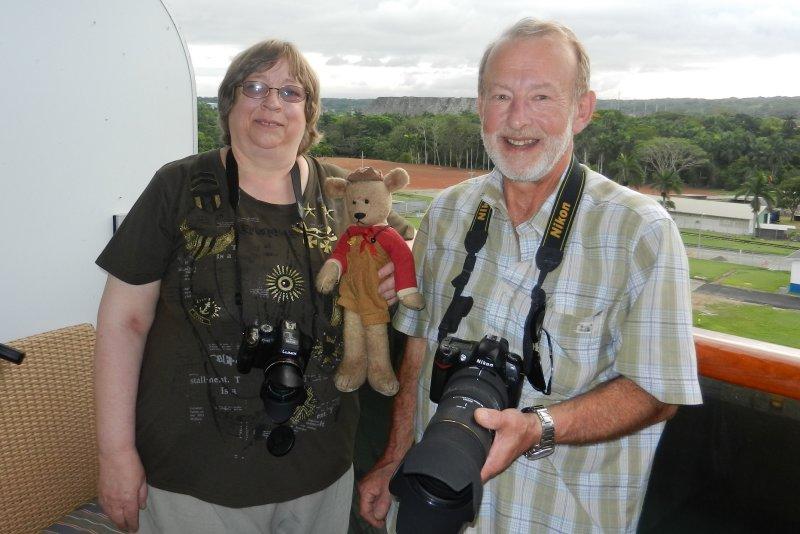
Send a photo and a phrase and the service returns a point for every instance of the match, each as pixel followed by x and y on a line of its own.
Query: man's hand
pixel 121 488
pixel 515 433
pixel 374 496
pixel 386 287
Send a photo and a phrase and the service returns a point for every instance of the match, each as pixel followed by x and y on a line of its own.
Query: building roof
pixel 712 208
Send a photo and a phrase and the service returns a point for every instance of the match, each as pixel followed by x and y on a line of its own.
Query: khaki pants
pixel 324 512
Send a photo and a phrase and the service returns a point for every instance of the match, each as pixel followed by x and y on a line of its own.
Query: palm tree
pixel 757 186
pixel 629 171
pixel 667 181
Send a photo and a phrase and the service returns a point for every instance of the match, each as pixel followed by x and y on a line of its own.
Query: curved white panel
pixel 95 96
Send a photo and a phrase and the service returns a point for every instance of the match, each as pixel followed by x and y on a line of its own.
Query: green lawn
pixel 410 195
pixel 758 279
pixel 413 220
pixel 730 274
pixel 752 321
pixel 708 270
pixel 736 243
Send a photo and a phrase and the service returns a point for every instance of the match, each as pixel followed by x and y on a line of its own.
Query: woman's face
pixel 266 126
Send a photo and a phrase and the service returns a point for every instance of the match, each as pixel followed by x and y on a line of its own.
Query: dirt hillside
pixel 433 177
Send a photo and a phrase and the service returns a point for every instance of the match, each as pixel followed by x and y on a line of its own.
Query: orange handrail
pixel 745 362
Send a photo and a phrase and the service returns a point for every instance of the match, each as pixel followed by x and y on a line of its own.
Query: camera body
pixel 283 355
pixel 490 353
pixel 438 482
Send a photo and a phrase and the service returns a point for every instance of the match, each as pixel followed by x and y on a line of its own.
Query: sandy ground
pixel 431 177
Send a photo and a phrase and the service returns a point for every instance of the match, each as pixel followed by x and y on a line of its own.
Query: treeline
pixel 720 150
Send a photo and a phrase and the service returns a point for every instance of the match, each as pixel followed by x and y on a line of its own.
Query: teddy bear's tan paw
pixel 415 301
pixel 327 277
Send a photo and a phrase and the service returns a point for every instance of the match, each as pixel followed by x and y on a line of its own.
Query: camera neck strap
pixel 460 305
pixel 232 175
pixel 548 258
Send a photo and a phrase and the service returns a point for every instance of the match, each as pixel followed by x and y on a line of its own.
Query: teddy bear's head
pixel 367 194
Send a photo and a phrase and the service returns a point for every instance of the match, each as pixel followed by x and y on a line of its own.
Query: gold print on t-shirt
pixel 317 237
pixel 336 313
pixel 301 413
pixel 204 310
pixel 284 283
pixel 201 246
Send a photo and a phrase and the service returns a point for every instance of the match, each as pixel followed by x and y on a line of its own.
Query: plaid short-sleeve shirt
pixel 619 304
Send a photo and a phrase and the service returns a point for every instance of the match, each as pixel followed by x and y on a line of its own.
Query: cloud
pixel 639 46
pixel 337 60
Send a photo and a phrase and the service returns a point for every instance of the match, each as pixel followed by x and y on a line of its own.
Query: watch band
pixel 547 442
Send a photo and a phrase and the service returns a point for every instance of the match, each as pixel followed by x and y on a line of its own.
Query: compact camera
pixel 283 355
pixel 438 483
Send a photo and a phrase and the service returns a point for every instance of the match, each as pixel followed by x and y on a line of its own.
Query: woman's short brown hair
pixel 263 56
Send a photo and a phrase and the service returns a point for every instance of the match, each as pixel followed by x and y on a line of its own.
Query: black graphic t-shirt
pixel 201 427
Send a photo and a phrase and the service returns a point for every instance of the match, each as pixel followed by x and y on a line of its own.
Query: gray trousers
pixel 324 512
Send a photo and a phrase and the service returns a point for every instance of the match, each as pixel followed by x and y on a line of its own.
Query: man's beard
pixel 552 149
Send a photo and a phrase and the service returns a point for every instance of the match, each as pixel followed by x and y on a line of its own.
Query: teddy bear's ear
pixel 396 179
pixel 335 186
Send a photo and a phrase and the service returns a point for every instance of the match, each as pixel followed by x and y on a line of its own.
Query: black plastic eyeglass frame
pixel 284 91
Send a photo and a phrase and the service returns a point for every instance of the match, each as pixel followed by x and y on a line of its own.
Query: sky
pixel 638 49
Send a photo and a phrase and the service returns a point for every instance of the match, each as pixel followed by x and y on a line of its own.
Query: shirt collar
pixel 492 194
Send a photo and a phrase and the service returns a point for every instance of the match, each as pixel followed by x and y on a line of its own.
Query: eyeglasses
pixel 259 90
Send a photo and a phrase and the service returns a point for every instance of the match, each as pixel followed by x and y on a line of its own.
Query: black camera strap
pixel 548 258
pixel 476 237
pixel 232 175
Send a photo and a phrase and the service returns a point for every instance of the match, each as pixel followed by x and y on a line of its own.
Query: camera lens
pixel 438 483
pixel 283 390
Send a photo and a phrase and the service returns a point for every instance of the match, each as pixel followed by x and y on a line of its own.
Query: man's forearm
pixel 611 410
pixel 401 434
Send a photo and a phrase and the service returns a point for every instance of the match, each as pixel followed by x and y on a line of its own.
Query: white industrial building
pixel 714 215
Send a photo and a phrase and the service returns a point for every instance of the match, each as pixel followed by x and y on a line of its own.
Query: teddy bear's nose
pixel 359 215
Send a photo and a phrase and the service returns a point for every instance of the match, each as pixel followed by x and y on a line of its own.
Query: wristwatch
pixel 547 442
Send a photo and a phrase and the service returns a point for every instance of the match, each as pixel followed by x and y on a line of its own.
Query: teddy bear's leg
pixel 379 365
pixel 352 370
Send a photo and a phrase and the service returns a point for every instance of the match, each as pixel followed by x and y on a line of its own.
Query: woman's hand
pixel 121 488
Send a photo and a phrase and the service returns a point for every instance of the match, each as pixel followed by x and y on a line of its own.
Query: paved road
pixel 775 300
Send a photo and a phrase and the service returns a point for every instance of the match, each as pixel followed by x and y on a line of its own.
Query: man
pixel 617 323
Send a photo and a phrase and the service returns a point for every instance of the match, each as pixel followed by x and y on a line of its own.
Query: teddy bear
pixel 366 246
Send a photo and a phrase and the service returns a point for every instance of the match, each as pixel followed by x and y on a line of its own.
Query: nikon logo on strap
pixel 557 226
pixel 483 212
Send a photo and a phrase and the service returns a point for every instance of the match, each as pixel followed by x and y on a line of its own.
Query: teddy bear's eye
pixel 354 202
pixel 366 201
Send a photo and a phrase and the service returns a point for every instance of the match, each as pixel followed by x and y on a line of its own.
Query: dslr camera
pixel 283 355
pixel 438 483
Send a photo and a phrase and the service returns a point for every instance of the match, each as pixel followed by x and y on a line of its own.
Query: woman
pixel 219 245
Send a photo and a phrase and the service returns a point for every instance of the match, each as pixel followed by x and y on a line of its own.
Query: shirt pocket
pixel 581 345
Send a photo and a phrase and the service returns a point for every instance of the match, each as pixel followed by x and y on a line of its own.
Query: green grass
pixel 758 279
pixel 737 243
pixel 708 270
pixel 413 220
pixel 752 321
pixel 409 195
pixel 730 274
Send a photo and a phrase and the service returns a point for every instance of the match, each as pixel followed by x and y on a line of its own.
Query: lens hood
pixel 438 484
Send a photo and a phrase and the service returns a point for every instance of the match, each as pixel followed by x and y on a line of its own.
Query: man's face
pixel 527 108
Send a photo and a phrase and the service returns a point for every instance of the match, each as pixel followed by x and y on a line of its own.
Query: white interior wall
pixel 95 96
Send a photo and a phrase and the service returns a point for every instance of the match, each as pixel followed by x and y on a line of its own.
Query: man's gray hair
pixel 529 28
